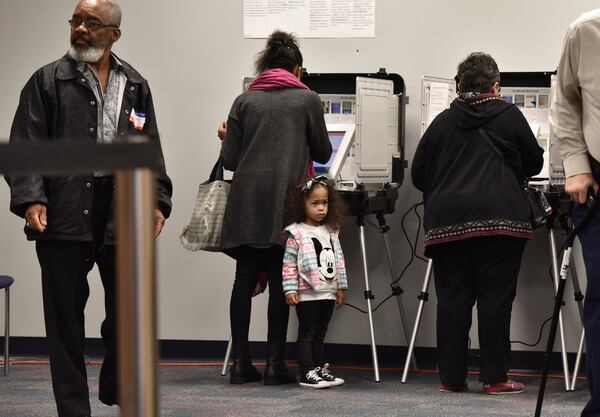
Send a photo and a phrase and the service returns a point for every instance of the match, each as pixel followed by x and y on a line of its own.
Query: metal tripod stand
pixel 378 202
pixel 559 219
pixel 396 289
pixel 424 297
pixel 556 279
pixel 564 271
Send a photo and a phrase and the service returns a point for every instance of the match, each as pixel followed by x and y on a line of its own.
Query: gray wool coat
pixel 270 135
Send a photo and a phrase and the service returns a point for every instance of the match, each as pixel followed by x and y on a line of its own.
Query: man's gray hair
pixel 114 12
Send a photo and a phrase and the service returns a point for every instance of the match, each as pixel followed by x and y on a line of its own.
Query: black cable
pixel 412 257
pixel 412 248
pixel 384 300
pixel 422 203
pixel 376 307
pixel 539 337
pixel 354 307
pixel 545 322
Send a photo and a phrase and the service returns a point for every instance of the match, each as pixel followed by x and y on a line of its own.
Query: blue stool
pixel 5 283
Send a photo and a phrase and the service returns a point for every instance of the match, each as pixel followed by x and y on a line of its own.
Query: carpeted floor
pixel 200 391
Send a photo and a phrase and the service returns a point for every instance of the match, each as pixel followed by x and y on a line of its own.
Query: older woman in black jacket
pixel 476 220
pixel 273 131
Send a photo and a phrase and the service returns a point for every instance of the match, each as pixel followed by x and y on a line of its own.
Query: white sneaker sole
pixel 315 386
pixel 337 384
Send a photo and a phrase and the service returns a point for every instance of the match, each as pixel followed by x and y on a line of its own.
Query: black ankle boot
pixel 276 372
pixel 242 370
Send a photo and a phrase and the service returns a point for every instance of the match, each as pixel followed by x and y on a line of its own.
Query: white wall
pixel 195 57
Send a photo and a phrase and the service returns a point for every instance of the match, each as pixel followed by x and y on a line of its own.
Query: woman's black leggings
pixel 251 262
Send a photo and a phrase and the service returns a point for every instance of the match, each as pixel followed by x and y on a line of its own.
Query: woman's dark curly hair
pixel 295 213
pixel 282 51
pixel 477 73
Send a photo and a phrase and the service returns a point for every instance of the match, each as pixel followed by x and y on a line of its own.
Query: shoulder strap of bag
pixel 217 172
pixel 492 145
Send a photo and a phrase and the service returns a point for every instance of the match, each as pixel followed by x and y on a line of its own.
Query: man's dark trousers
pixel 65 265
pixel 589 237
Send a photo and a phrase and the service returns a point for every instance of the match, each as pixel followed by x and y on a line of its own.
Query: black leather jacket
pixel 57 105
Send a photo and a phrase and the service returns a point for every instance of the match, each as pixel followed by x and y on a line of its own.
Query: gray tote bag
pixel 203 232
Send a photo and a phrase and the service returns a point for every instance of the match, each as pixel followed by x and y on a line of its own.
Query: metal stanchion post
pixel 136 293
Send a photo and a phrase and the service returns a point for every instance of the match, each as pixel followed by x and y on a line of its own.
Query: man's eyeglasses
pixel 90 24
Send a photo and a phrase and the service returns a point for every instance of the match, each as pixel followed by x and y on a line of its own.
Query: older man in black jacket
pixel 87 95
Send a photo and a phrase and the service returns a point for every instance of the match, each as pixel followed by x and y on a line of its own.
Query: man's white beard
pixel 90 55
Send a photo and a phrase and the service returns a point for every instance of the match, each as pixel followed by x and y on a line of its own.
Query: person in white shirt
pixel 575 120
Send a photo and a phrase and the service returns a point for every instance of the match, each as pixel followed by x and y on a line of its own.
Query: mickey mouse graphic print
pixel 326 261
pixel 321 239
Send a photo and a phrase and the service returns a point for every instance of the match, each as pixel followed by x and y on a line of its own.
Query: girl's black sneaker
pixel 328 377
pixel 311 379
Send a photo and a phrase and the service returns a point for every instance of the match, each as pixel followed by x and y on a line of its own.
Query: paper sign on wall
pixel 438 100
pixel 310 18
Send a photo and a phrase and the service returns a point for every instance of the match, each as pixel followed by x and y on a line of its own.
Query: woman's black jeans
pixel 482 270
pixel 250 263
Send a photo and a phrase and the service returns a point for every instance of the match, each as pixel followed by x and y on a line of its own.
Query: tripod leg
pixel 369 296
pixel 579 299
pixel 578 360
pixel 396 287
pixel 226 359
pixel 423 296
pixel 563 345
pixel 552 335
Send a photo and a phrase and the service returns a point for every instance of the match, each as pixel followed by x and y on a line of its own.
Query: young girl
pixel 314 274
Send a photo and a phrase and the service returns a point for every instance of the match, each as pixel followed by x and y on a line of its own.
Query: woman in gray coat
pixel 273 131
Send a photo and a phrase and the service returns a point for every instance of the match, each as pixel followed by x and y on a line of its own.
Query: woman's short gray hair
pixel 477 73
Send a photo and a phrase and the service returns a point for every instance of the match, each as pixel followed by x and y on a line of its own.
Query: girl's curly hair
pixel 295 213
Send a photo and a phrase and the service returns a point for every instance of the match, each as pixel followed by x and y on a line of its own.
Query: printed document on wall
pixel 310 18
pixel 438 100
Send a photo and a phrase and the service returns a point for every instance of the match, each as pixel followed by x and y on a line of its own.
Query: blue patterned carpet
pixel 200 391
